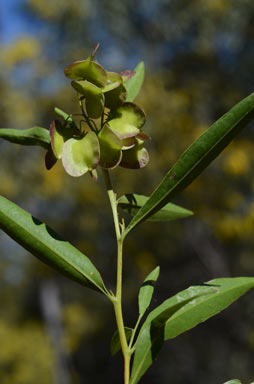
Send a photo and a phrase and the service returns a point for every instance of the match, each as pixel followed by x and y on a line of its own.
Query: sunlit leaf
pixel 46 245
pixel 182 312
pixel 133 202
pixel 146 290
pixel 197 157
pixel 81 155
pixel 87 70
pixel 31 136
pixel 115 344
pixel 134 83
pixel 110 148
pixel 234 381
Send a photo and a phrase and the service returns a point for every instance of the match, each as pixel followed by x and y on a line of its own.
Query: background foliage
pixel 199 62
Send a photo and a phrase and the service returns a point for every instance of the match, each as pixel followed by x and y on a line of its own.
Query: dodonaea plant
pixel 109 133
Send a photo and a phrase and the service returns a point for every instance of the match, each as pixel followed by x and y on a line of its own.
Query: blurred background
pixel 199 58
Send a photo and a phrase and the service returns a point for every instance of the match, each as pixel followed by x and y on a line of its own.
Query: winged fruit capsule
pixel 109 132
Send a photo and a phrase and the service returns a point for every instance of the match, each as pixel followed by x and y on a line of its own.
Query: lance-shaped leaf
pixel 133 202
pixel 127 120
pixel 115 344
pixel 110 148
pixel 181 313
pixel 93 95
pixel 197 157
pixel 136 157
pixel 81 155
pixel 146 291
pixel 234 381
pixel 87 70
pixel 31 136
pixel 47 246
pixel 134 83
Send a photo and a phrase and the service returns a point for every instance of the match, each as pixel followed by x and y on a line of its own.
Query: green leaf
pixel 87 70
pixel 81 155
pixel 182 312
pixel 133 202
pixel 146 291
pixel 234 381
pixel 197 157
pixel 127 120
pixel 134 84
pixel 30 136
pixel 115 344
pixel 110 148
pixel 47 246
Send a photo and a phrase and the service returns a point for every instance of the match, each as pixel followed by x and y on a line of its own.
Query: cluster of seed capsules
pixel 110 132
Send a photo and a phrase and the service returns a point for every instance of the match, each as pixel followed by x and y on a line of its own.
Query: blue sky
pixel 11 22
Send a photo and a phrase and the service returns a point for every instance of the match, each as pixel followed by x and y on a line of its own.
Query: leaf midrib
pixel 53 250
pixel 186 174
pixel 175 315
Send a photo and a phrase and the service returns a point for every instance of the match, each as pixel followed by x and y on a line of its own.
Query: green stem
pixel 117 302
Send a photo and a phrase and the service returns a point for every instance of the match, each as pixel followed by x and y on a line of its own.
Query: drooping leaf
pixel 134 83
pixel 133 202
pixel 93 95
pixel 81 155
pixel 31 136
pixel 110 148
pixel 146 291
pixel 46 245
pixel 127 120
pixel 197 157
pixel 136 157
pixel 87 70
pixel 182 312
pixel 115 344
